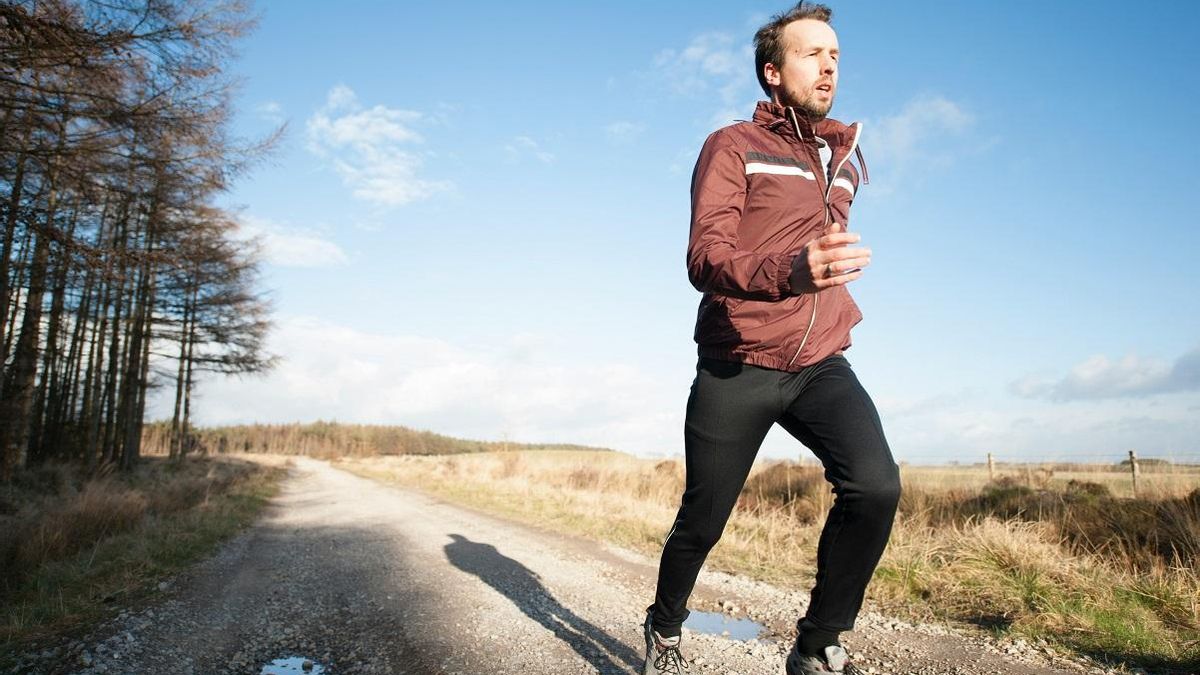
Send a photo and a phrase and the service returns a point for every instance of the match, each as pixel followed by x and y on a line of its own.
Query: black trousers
pixel 729 411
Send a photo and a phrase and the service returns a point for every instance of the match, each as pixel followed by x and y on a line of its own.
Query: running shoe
pixel 662 653
pixel 833 659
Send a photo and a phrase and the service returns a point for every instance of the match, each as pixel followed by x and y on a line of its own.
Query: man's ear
pixel 771 73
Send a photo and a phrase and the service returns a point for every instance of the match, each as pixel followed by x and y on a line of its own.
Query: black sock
pixel 813 641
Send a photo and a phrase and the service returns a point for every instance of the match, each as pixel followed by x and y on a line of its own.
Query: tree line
pixel 118 271
pixel 335 439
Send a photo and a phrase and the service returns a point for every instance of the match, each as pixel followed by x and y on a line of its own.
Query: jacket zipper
pixel 825 198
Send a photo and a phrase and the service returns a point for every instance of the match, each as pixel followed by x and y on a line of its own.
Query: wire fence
pixel 1093 458
pixel 1130 474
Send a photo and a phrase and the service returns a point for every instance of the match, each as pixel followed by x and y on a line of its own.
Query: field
pixel 1054 552
pixel 1154 480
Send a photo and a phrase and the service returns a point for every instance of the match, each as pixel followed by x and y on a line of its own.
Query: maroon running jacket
pixel 759 194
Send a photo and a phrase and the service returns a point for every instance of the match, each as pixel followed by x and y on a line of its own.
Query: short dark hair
pixel 768 41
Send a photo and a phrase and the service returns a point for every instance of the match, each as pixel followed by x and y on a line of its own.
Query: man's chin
pixel 813 113
pixel 810 110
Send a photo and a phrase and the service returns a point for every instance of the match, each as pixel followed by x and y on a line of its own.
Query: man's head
pixel 796 56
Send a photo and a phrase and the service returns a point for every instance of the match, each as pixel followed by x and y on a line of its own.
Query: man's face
pixel 807 79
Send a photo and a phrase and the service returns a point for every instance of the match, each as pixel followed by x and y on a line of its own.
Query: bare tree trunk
pixel 16 403
pixel 134 385
pixel 108 407
pixel 66 414
pixel 176 436
pixel 10 227
pixel 14 302
pixel 48 385
pixel 83 348
pixel 143 377
pixel 116 350
pixel 187 384
pixel 93 401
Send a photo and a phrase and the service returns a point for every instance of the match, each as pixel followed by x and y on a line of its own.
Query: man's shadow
pixel 524 587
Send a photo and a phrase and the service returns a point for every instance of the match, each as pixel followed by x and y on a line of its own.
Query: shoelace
pixel 669 660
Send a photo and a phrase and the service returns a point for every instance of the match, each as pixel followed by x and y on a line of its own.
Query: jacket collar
pixel 785 121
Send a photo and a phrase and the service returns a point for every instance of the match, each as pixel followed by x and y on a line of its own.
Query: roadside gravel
pixel 345 575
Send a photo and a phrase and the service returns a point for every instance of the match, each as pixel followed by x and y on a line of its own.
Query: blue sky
pixel 477 220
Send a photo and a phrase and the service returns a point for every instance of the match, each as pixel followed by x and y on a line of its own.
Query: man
pixel 770 251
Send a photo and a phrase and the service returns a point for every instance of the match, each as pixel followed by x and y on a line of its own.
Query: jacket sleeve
pixel 715 265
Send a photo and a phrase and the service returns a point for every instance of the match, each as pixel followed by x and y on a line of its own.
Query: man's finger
pixel 839 280
pixel 844 253
pixel 841 266
pixel 847 253
pixel 838 239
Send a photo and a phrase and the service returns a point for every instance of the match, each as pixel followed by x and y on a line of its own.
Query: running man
pixel 770 252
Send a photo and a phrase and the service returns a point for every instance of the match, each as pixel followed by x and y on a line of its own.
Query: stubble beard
pixel 807 106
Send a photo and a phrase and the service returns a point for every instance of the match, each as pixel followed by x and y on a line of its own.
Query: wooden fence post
pixel 1133 469
pixel 991 468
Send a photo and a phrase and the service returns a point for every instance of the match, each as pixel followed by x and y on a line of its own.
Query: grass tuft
pixel 75 547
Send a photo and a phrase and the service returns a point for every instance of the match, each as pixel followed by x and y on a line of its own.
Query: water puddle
pixel 293 664
pixel 718 623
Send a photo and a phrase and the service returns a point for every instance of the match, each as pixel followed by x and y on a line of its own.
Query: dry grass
pixel 71 545
pixel 1170 480
pixel 1115 578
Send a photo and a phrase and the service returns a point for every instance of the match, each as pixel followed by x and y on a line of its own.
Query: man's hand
pixel 829 261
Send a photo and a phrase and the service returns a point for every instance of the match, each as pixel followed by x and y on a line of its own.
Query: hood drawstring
pixel 795 122
pixel 862 163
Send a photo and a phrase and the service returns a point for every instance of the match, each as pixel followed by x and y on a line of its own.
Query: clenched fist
pixel 829 261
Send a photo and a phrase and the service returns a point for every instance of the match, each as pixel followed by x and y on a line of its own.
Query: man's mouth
pixel 826 87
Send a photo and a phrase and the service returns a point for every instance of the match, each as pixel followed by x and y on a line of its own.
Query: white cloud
pixel 623 131
pixel 709 59
pixel 966 426
pixel 713 67
pixel 927 131
pixel 341 97
pixel 523 146
pixel 270 111
pixel 920 120
pixel 1100 377
pixel 368 147
pixel 291 247
pixel 335 371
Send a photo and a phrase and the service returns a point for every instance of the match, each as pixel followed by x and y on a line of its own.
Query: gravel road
pixel 346 575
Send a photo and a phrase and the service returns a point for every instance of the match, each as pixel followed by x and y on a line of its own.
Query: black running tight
pixel 730 410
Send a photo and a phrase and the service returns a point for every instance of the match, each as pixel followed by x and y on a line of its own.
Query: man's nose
pixel 828 65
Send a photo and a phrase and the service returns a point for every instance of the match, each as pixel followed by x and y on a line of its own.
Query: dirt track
pixel 358 577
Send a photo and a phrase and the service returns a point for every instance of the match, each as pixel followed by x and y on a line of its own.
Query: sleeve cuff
pixel 783 276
